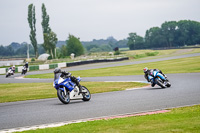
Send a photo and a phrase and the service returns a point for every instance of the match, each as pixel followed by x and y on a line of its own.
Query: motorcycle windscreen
pixel 57 76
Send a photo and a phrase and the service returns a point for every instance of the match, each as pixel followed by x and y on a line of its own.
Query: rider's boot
pixel 80 89
pixel 152 84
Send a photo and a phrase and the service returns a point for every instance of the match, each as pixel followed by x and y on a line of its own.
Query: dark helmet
pixel 57 70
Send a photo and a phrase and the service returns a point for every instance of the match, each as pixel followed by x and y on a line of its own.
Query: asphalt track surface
pixel 185 90
pixel 86 67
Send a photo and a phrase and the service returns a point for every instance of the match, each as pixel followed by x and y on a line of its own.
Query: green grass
pixel 30 91
pixel 183 65
pixel 142 55
pixel 178 120
pixel 167 52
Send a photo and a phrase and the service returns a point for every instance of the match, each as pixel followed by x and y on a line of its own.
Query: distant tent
pixel 43 57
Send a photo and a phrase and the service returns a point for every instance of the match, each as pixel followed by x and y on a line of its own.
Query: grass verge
pixel 183 65
pixel 30 91
pixel 178 120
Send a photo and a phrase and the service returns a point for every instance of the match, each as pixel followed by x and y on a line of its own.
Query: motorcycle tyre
pixel 168 84
pixel 160 84
pixel 85 98
pixel 61 98
pixel 7 75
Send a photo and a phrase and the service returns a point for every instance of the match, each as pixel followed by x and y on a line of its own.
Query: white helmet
pixel 145 69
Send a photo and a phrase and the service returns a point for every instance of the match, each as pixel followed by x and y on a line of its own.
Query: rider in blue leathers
pixel 150 72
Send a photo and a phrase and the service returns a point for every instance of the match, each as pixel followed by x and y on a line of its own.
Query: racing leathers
pixel 13 70
pixel 150 72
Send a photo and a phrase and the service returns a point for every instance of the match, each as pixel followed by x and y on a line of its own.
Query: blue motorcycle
pixel 157 78
pixel 68 90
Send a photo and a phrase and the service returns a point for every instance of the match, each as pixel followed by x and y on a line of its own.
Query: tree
pixel 74 46
pixel 105 47
pixel 2 51
pixel 50 41
pixel 50 38
pixel 169 31
pixel 64 50
pixel 45 28
pixel 154 38
pixel 45 20
pixel 32 22
pixel 135 41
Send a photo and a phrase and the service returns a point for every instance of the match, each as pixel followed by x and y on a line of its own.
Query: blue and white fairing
pixel 154 75
pixel 60 83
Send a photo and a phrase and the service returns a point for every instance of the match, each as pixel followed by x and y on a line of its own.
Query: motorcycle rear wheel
pixel 62 97
pixel 87 95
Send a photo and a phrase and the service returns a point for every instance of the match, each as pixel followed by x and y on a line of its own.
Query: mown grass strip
pixel 178 120
pixel 30 91
pixel 183 65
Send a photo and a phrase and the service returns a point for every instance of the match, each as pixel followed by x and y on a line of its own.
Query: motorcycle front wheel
pixel 160 83
pixel 62 97
pixel 7 75
pixel 86 94
pixel 168 84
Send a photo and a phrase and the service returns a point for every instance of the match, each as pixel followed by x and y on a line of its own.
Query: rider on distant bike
pixel 150 72
pixel 26 65
pixel 12 69
pixel 65 74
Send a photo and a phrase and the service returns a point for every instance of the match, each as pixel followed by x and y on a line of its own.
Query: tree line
pixel 19 50
pixel 102 45
pixel 170 34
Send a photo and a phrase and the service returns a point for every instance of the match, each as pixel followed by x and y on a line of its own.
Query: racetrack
pixel 185 90
pixel 85 67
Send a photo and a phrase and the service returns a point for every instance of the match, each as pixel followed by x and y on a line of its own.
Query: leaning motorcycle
pixel 9 73
pixel 159 79
pixel 24 70
pixel 68 90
